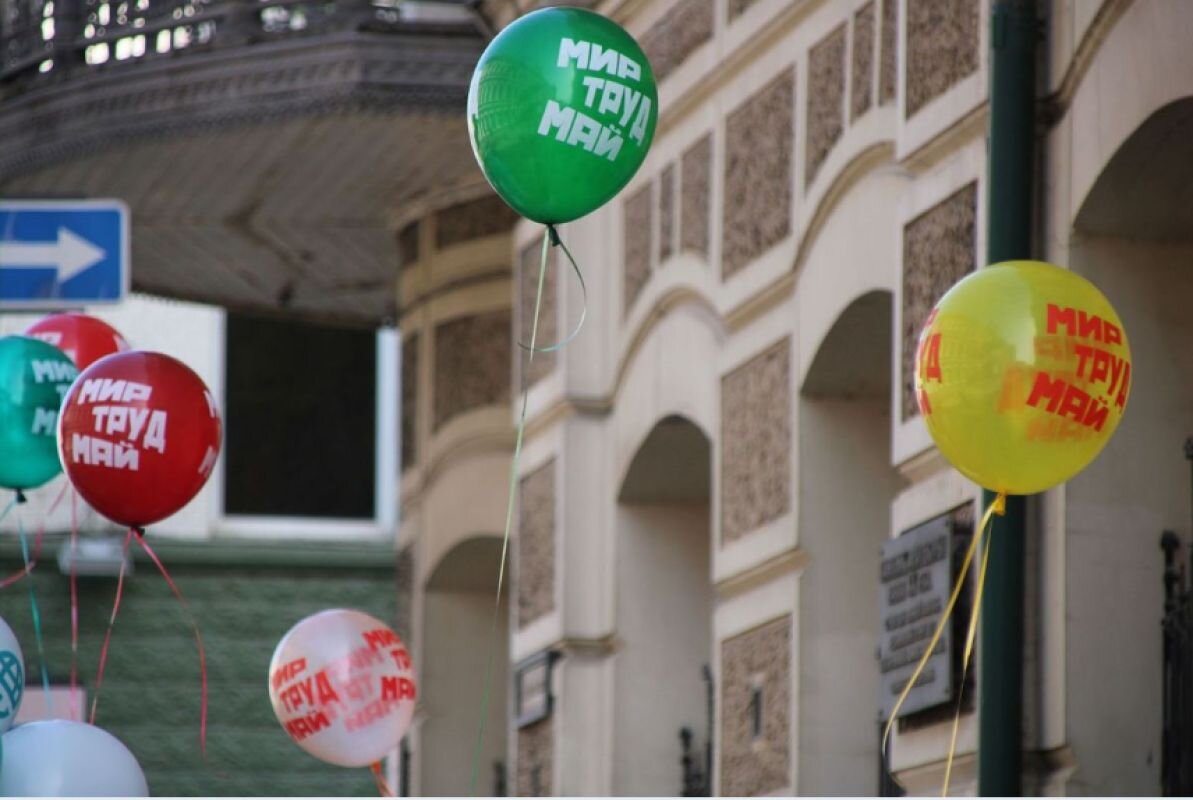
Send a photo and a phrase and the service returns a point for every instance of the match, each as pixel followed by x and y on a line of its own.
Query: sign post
pixel 57 254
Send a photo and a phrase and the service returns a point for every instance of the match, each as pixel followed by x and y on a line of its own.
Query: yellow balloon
pixel 1022 373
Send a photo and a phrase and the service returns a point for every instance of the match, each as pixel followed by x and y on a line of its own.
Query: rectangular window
pixel 309 428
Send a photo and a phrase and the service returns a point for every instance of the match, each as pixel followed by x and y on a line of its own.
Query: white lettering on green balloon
pixel 594 58
pixel 606 97
pixel 45 420
pixel 57 371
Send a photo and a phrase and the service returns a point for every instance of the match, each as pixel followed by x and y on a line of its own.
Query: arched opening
pixel 458 616
pixel 1133 237
pixel 664 612
pixel 846 488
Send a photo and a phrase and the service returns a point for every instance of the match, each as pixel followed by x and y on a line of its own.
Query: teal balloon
pixel 562 110
pixel 34 377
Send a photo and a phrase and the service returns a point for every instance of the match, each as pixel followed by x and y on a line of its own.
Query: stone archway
pixel 1133 237
pixel 458 615
pixel 846 487
pixel 664 601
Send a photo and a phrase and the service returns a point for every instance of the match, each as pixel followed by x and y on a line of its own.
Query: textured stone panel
pixel 888 67
pixel 667 213
pixel 409 400
pixel 939 248
pixel 536 545
pixel 637 237
pixel 942 47
pixel 404 578
pixel 548 328
pixel 535 758
pixel 756 442
pixel 684 27
pixel 695 168
pixel 826 99
pixel 756 209
pixel 756 762
pixel 472 364
pixel 408 244
pixel 861 78
pixel 473 219
pixel 739 7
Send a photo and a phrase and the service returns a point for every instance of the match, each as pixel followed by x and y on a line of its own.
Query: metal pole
pixel 1010 178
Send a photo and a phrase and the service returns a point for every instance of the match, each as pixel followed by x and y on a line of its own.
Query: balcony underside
pixel 271 177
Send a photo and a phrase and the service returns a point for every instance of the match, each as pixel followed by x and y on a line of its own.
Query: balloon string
pixel 36 613
pixel 103 650
pixel 383 787
pixel 198 639
pixel 975 613
pixel 37 540
pixel 75 710
pixel 551 237
pixel 997 506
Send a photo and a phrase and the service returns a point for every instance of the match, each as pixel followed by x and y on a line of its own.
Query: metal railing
pixel 41 39
pixel 696 771
pixel 1176 759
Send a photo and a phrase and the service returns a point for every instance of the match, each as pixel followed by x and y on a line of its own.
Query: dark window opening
pixel 299 406
pixel 756 711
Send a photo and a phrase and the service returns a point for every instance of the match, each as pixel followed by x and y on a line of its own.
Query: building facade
pixel 713 466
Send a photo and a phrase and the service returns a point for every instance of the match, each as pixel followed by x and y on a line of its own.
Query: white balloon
pixel 63 758
pixel 12 676
pixel 342 685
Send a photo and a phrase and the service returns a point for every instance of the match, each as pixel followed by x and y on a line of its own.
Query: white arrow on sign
pixel 70 255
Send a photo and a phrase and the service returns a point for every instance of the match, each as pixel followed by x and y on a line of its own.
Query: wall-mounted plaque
pixel 533 699
pixel 916 583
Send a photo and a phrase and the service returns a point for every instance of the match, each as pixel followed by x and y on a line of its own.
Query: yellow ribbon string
pixel 970 635
pixel 998 506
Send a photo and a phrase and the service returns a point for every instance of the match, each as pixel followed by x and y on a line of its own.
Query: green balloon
pixel 561 112
pixel 34 377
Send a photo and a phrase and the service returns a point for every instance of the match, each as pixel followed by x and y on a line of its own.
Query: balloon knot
pixel 139 531
pixel 21 497
pixel 553 235
pixel 1000 504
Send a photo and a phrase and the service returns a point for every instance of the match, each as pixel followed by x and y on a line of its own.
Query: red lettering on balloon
pixel 381 638
pixel 309 725
pixel 1046 388
pixel 1058 316
pixel 326 693
pixel 930 358
pixel 287 671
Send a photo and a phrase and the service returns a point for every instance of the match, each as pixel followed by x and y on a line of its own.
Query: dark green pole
pixel 1014 37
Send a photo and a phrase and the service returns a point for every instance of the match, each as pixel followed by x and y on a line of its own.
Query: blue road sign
pixel 63 253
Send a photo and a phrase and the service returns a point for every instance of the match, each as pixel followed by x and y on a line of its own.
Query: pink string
pixel 379 776
pixel 103 652
pixel 41 532
pixel 75 711
pixel 198 640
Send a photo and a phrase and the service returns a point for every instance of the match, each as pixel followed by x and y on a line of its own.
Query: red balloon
pixel 138 435
pixel 85 339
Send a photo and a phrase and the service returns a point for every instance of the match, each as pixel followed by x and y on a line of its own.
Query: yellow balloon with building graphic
pixel 1022 374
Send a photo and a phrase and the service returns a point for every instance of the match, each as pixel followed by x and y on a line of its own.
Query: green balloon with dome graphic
pixel 562 110
pixel 34 377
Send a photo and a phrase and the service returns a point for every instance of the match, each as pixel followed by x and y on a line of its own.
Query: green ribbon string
pixel 36 612
pixel 551 239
